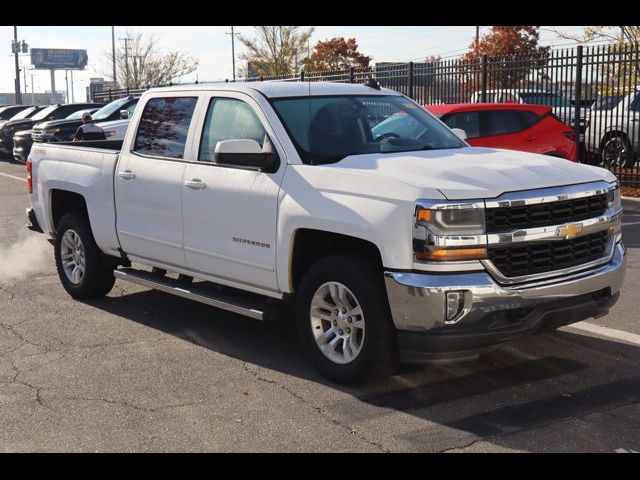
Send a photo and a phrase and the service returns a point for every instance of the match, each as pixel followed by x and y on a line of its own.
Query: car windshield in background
pixel 328 129
pixel 77 115
pixel 549 99
pixel 109 108
pixel 24 113
pixel 608 103
pixel 42 114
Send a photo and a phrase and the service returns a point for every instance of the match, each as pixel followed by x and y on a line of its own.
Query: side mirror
pixel 124 114
pixel 245 153
pixel 461 134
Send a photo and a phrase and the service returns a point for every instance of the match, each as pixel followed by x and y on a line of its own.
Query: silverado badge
pixel 572 230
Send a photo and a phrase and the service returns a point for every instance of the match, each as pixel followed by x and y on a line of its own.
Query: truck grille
pixel 505 219
pixel 540 257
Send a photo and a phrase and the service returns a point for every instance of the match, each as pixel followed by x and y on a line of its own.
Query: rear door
pixel 148 179
pixel 509 129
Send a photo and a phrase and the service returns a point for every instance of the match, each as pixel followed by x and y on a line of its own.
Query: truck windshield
pixel 42 114
pixel 24 113
pixel 328 129
pixel 109 109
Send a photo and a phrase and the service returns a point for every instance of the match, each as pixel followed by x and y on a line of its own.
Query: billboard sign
pixel 58 58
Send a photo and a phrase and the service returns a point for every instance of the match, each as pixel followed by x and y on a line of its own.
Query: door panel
pixel 230 214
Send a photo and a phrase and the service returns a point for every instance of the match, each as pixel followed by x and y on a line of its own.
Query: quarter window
pixel 500 122
pixel 164 126
pixel 229 119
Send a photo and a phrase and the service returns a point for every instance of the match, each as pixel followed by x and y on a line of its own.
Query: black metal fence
pixel 595 90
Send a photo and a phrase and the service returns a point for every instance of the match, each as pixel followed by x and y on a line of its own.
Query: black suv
pixel 7 127
pixel 63 130
pixel 22 139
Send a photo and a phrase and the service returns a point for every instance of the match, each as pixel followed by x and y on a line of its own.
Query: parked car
pixel 613 131
pixel 63 130
pixel 8 128
pixel 22 140
pixel 59 130
pixel 529 128
pixel 269 197
pixel 9 111
pixel 562 108
pixel 116 129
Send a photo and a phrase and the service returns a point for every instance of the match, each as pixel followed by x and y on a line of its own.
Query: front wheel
pixel 617 152
pixel 343 319
pixel 81 268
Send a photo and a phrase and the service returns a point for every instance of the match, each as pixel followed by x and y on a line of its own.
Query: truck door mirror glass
pixel 124 114
pixel 245 153
pixel 461 134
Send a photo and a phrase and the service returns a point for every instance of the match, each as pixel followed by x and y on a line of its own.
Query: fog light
pixel 455 306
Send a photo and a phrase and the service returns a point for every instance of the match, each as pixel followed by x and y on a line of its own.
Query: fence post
pixel 578 100
pixel 410 80
pixel 302 75
pixel 484 78
pixel 352 75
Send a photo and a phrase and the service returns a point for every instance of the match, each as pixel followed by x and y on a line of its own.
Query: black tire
pixel 98 277
pixel 378 355
pixel 616 151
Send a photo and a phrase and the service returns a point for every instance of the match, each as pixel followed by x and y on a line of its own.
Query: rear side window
pixel 467 121
pixel 229 119
pixel 635 105
pixel 164 126
pixel 500 122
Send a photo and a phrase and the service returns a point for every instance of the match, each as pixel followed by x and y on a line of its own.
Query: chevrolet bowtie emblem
pixel 570 231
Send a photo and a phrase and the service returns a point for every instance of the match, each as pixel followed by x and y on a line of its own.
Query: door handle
pixel 127 175
pixel 195 184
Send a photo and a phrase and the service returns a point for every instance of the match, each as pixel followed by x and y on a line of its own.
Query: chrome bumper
pixel 418 300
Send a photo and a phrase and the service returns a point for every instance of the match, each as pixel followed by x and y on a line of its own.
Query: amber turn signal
pixel 445 255
pixel 424 215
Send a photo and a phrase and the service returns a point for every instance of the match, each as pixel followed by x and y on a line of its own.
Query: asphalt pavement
pixel 144 371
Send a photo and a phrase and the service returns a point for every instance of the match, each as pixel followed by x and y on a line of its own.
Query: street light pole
pixel 126 61
pixel 113 53
pixel 233 52
pixel 33 102
pixel 15 43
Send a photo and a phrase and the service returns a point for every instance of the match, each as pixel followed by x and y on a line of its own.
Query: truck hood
pixel 113 123
pixel 65 122
pixel 469 173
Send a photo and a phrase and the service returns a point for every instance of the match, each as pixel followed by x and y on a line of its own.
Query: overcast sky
pixel 212 47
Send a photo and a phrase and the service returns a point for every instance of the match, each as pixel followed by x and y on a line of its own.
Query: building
pixel 35 99
pixel 99 84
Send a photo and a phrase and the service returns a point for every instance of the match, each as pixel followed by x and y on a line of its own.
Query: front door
pixel 229 213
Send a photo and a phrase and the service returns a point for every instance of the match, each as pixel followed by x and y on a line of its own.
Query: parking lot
pixel 144 371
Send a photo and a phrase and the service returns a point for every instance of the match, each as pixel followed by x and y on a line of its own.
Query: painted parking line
pixel 20 179
pixel 606 332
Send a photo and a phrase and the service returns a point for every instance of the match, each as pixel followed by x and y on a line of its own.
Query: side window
pixel 635 105
pixel 527 119
pixel 131 108
pixel 164 126
pixel 467 121
pixel 228 119
pixel 500 122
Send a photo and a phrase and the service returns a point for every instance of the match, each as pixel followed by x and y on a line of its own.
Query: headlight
pixel 614 202
pixel 449 232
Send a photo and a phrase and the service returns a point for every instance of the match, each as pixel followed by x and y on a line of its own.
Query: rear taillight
pixel 29 176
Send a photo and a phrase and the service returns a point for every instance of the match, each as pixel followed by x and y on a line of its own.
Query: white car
pixel 278 198
pixel 115 129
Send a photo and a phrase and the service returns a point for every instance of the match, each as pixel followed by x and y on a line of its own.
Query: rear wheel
pixel 81 268
pixel 343 318
pixel 617 152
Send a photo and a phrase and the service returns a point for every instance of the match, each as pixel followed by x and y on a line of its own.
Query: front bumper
pixel 19 154
pixel 492 313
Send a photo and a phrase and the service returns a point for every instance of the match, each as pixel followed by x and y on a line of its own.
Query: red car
pixel 530 128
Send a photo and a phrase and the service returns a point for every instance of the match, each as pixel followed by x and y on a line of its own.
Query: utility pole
pixel 477 36
pixel 33 102
pixel 66 80
pixel 113 54
pixel 16 49
pixel 72 95
pixel 233 52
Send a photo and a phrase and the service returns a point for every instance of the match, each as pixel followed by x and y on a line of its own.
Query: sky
pixel 212 47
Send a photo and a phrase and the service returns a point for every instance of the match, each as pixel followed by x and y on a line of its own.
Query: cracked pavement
pixel 143 371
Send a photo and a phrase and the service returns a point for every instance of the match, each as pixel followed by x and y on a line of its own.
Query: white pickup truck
pixel 346 207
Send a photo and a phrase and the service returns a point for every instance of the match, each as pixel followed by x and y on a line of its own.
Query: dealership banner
pixel 58 58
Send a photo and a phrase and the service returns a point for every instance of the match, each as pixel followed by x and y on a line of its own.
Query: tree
pixel 618 35
pixel 336 54
pixel 141 63
pixel 513 52
pixel 276 50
